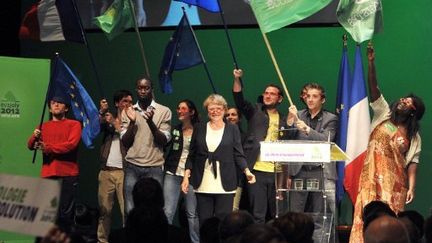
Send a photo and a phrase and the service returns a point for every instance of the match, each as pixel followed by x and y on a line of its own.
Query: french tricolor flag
pixel 52 20
pixel 354 122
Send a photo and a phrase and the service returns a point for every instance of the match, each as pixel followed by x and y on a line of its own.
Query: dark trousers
pixel 209 205
pixel 66 211
pixel 262 196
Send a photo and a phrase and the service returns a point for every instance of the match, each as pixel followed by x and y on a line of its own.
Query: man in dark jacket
pixel 264 122
pixel 112 156
pixel 313 123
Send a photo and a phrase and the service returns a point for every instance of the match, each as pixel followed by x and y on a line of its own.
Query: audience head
pixel 374 210
pixel 428 229
pixel 386 229
pixel 146 224
pixel 296 227
pixel 147 192
pixel 234 224
pixel 261 233
pixel 209 230
pixel 414 222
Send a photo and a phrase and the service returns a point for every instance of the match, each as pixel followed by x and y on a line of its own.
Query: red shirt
pixel 61 139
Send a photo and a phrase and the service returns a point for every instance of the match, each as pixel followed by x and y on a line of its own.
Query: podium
pixel 286 153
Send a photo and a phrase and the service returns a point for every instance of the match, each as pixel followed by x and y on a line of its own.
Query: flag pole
pixel 222 14
pixel 139 39
pixel 201 54
pixel 92 61
pixel 277 68
pixel 45 102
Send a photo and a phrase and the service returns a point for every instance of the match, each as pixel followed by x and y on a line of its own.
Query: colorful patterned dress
pixel 383 175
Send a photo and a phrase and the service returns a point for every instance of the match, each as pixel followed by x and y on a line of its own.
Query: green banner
pixel 361 18
pixel 275 14
pixel 23 83
pixel 116 19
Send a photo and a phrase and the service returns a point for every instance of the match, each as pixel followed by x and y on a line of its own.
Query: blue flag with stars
pixel 66 85
pixel 182 52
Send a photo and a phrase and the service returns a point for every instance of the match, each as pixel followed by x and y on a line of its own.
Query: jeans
pixel 172 193
pixel 132 173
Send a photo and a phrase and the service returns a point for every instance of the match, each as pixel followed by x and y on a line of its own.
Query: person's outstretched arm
pixel 237 86
pixel 374 92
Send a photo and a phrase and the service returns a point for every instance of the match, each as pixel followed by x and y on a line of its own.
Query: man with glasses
pixel 147 138
pixel 264 122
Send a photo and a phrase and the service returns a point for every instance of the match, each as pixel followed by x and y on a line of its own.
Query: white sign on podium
pixel 301 151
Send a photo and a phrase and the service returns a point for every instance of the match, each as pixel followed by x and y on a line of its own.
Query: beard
pixel 401 116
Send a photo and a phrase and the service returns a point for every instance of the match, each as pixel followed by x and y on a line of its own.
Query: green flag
pixel 116 19
pixel 275 14
pixel 361 18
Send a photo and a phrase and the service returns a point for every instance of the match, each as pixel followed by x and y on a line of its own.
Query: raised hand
pixel 238 73
pixel 130 113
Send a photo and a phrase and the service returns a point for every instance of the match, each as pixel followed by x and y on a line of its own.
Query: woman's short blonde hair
pixel 215 99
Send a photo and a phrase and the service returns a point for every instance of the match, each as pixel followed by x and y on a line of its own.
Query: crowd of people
pixel 216 167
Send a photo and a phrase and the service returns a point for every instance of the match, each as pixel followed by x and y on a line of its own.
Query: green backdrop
pixel 23 84
pixel 403 61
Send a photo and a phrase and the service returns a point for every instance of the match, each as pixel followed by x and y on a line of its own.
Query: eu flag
pixel 65 84
pixel 342 109
pixel 209 5
pixel 182 52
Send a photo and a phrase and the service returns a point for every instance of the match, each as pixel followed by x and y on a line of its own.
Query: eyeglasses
pixel 183 109
pixel 215 109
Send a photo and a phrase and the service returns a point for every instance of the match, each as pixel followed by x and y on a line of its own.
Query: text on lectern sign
pixel 295 152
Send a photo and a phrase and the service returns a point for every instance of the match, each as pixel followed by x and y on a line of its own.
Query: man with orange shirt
pixel 58 140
